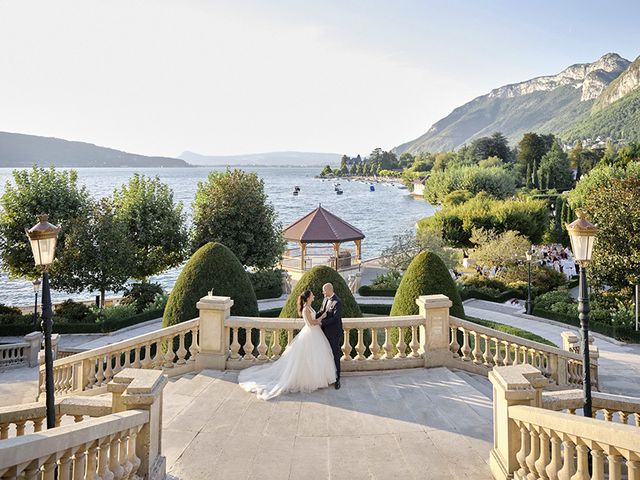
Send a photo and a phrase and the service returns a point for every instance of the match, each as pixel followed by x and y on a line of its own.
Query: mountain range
pixel 584 101
pixel 288 159
pixel 20 150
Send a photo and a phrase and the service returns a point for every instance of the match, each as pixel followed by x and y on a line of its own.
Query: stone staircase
pixel 415 423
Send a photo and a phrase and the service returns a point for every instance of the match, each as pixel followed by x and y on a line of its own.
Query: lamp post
pixel 529 256
pixel 36 289
pixel 583 236
pixel 43 238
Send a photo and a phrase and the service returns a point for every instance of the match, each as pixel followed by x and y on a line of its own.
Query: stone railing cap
pixel 434 301
pixel 33 336
pixel 518 377
pixel 213 302
pixel 134 381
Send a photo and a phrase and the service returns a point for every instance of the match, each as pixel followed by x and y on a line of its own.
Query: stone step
pixel 478 382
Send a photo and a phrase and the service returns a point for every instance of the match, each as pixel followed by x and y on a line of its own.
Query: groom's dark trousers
pixel 332 327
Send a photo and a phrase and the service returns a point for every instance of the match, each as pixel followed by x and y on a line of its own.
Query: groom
pixel 332 325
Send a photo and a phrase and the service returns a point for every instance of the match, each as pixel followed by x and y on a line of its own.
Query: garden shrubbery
pixel 266 283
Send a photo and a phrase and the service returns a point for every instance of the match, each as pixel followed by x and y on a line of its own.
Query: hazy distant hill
pixel 549 104
pixel 19 150
pixel 271 158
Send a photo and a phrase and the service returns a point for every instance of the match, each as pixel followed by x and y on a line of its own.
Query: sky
pixel 159 77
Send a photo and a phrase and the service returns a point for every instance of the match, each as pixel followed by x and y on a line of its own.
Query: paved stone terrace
pixel 426 424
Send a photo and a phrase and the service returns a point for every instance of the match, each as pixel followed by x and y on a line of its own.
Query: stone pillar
pixel 34 339
pixel 55 338
pixel 434 336
pixel 213 341
pixel 594 354
pixel 139 389
pixel 514 385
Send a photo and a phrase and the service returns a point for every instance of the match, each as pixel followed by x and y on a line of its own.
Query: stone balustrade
pixel 121 441
pixel 171 349
pixel 484 348
pixel 532 442
pixel 21 354
pixel 609 407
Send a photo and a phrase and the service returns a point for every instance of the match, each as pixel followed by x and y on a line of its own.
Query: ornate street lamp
pixel 43 238
pixel 529 255
pixel 36 288
pixel 583 237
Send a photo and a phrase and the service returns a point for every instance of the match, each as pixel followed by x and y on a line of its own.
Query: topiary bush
pixel 427 275
pixel 212 267
pixel 313 280
pixel 75 312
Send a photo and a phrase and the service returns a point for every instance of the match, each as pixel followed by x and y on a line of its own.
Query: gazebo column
pixel 358 250
pixel 336 250
pixel 303 252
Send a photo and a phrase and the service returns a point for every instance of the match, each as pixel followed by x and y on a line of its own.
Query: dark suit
pixel 332 327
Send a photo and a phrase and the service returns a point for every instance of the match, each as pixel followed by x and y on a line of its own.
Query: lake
pixel 380 215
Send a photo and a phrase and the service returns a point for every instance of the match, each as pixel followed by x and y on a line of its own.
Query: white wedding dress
pixel 305 365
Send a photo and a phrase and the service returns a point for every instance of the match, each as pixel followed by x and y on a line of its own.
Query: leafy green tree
pixel 494 146
pixel 155 225
pixel 499 249
pixel 495 181
pixel 33 192
pixel 99 250
pixel 406 246
pixel 326 171
pixel 555 170
pixel 354 169
pixel 610 153
pixel 405 160
pixel 531 149
pixel 232 208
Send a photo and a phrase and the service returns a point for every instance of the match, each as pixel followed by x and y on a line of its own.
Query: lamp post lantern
pixel 529 255
pixel 36 288
pixel 43 238
pixel 583 236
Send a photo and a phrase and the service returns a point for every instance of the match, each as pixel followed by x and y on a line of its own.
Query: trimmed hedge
pixel 367 291
pixel 212 267
pixel 470 292
pixel 620 333
pixel 271 313
pixel 375 309
pixel 518 332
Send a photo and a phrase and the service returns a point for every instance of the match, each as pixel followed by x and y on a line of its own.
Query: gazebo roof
pixel 321 226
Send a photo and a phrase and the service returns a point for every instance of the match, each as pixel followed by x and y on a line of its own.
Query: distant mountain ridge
pixel 270 158
pixel 547 104
pixel 21 150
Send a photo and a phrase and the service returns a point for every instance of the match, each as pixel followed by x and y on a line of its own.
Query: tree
pixel 554 170
pixel 354 169
pixel 326 171
pixel 494 146
pixel 531 149
pixel 405 160
pixel 213 267
pixel 155 225
pixel 407 245
pixel 232 208
pixel 499 249
pixel 37 191
pixel 98 250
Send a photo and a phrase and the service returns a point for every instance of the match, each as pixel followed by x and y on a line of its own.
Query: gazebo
pixel 319 235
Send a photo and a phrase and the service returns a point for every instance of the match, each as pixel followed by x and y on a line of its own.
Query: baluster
pixel 133 458
pixel 497 356
pixel 168 354
pixel 262 345
pixel 100 372
pixel 374 347
pixel 415 344
pixel 136 356
pixel 387 346
pixel 20 428
pixel 41 382
pixel 453 345
pixel 125 438
pixel 56 379
pixel 92 373
pixel 289 337
pixel 193 349
pixel 508 359
pixel 127 358
pixel 117 361
pixel 597 467
pixel 4 430
pixel 633 469
pixel 637 415
pixel 401 345
pixel 534 452
pixel 182 352
pixel 568 465
pixel 466 349
pixel 80 463
pixel 49 468
pixel 521 456
pixel 624 417
pixel 65 466
pixel 276 349
pixel 615 466
pixel 235 345
pixel 477 354
pixel 556 457
pixel 248 346
pixel 346 347
pixel 486 356
pixel 360 347
pixel 582 472
pixel 32 471
pixel 147 362
pixel 92 460
pixel 108 372
pixel 543 460
pixel 103 460
pixel 114 464
pixel 37 424
pixel 158 358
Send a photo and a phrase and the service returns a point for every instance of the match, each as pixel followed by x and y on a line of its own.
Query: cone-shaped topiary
pixel 313 280
pixel 212 267
pixel 426 275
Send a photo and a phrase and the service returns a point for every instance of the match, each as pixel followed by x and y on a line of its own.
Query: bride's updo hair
pixel 302 300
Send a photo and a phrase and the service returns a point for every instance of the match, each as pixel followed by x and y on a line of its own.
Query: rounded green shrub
pixel 213 267
pixel 313 280
pixel 426 275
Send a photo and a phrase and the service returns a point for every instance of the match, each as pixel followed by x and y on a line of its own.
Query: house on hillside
pixel 418 186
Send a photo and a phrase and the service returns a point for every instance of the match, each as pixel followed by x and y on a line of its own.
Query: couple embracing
pixel 311 360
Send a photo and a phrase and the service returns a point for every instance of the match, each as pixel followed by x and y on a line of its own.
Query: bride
pixel 306 364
